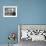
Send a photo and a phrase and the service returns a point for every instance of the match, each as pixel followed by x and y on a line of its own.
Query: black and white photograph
pixel 9 11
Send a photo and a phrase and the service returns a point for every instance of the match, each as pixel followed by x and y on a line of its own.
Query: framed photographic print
pixel 9 11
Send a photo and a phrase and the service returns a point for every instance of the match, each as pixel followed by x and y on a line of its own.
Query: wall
pixel 29 12
pixel 7 25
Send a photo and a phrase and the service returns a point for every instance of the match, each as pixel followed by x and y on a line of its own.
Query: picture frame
pixel 9 11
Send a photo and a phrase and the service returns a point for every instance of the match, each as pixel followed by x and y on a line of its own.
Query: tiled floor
pixel 30 43
pixel 7 45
